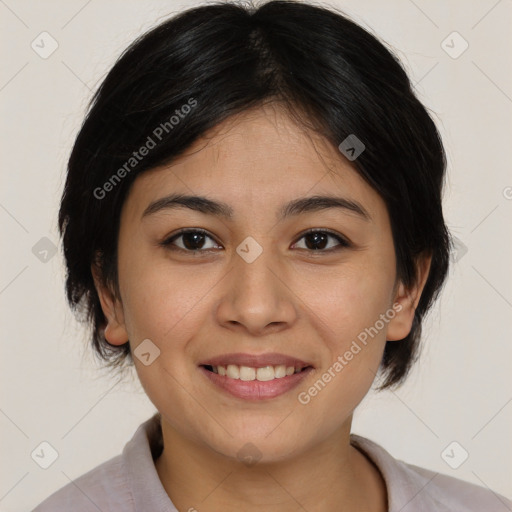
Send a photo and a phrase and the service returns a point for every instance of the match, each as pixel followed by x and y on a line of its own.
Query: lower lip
pixel 255 389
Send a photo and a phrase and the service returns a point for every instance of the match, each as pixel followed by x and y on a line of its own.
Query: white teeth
pixel 233 371
pixel 280 371
pixel 247 373
pixel 265 373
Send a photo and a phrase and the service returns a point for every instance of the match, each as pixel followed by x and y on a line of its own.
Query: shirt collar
pixel 138 457
pixel 407 489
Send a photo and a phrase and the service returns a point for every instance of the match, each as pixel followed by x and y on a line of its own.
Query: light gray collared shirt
pixel 130 483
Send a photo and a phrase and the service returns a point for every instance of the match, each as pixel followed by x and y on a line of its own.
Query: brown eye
pixel 318 240
pixel 190 240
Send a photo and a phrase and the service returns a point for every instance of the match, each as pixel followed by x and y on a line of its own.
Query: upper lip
pixel 255 360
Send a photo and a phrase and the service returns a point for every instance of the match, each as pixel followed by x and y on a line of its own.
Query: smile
pixel 255 377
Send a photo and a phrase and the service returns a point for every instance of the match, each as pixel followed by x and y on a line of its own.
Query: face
pixel 265 322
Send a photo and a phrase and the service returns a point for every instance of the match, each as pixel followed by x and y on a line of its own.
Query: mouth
pixel 255 377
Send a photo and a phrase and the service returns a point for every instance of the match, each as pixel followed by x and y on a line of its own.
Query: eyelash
pixel 168 242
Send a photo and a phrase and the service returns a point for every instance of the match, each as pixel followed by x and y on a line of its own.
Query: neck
pixel 334 476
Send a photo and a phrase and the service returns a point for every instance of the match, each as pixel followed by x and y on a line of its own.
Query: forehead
pixel 253 160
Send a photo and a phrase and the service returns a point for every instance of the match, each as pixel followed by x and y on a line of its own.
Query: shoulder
pixel 455 494
pixel 126 482
pixel 104 487
pixel 415 489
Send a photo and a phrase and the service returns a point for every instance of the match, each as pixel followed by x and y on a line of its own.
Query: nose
pixel 256 297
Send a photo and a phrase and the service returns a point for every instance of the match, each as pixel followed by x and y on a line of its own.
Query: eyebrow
pixel 219 209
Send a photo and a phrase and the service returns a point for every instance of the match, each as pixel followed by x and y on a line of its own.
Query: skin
pixel 291 299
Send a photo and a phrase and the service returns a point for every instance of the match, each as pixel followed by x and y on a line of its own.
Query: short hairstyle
pixel 207 63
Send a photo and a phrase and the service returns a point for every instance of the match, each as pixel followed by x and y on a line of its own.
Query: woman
pixel 253 217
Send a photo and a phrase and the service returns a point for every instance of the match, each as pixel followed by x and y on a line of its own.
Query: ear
pixel 406 301
pixel 115 330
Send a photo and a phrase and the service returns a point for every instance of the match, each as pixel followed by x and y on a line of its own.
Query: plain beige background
pixel 53 391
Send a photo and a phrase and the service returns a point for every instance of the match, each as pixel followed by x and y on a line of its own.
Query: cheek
pixel 347 300
pixel 147 310
pixel 160 300
pixel 347 313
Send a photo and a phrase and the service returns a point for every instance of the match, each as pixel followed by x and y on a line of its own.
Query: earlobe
pixel 406 301
pixel 115 329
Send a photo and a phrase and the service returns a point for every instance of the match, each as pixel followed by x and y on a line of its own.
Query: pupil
pixel 196 238
pixel 318 239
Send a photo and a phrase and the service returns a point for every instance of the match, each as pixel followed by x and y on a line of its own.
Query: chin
pixel 251 445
